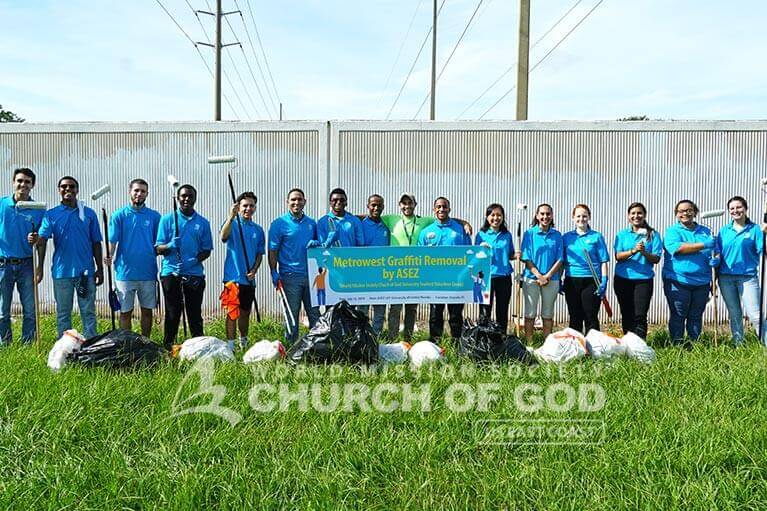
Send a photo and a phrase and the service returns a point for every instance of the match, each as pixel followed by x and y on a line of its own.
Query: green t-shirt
pixel 405 231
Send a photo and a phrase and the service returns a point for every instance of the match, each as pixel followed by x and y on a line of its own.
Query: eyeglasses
pixel 341 199
pixel 68 187
pixel 686 211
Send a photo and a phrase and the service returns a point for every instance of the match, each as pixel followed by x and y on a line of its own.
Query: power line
pixel 466 28
pixel 258 64
pixel 260 44
pixel 544 57
pixel 415 61
pixel 399 53
pixel 510 68
pixel 210 71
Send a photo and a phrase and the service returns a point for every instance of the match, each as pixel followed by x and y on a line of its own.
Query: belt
pixel 14 260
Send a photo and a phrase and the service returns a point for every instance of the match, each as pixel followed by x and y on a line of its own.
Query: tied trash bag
pixel 487 342
pixel 118 349
pixel 603 346
pixel 62 349
pixel 563 346
pixel 263 351
pixel 394 353
pixel 637 348
pixel 425 352
pixel 205 347
pixel 342 334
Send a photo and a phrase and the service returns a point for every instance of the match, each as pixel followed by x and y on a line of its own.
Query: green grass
pixel 687 432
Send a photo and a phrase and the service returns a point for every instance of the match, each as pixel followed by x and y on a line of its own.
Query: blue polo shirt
pixel 543 249
pixel 349 229
pixel 375 234
pixel 288 236
pixel 574 258
pixel 15 225
pixel 692 269
pixel 636 267
pixel 235 268
pixel 195 235
pixel 741 251
pixel 502 245
pixel 134 230
pixel 448 234
pixel 73 240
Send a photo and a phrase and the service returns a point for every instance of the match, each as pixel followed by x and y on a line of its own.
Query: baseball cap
pixel 408 196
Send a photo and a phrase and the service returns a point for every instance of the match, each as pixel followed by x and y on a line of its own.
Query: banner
pixel 381 275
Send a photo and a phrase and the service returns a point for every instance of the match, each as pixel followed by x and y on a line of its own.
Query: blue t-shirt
pixel 543 249
pixel 375 234
pixel 575 261
pixel 692 269
pixel 134 231
pixel 636 267
pixel 235 268
pixel 288 236
pixel 348 228
pixel 740 251
pixel 15 225
pixel 196 237
pixel 448 234
pixel 502 245
pixel 73 240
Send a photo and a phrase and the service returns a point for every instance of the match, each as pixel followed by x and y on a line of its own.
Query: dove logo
pixel 205 369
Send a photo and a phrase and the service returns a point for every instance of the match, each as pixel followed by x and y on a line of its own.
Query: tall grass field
pixel 687 432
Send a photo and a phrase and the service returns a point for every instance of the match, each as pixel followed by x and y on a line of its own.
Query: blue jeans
pixel 63 292
pixel 22 276
pixel 297 291
pixel 686 304
pixel 377 319
pixel 321 297
pixel 734 289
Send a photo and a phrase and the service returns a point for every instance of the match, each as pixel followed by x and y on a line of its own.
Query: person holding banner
pixel 289 237
pixel 495 235
pixel 585 252
pixel 338 228
pixel 236 269
pixel 542 253
pixel 16 240
pixel 637 249
pixel 444 232
pixel 376 234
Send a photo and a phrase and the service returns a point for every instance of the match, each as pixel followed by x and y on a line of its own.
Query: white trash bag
pixel 205 347
pixel 604 346
pixel 395 353
pixel 563 346
pixel 425 352
pixel 263 351
pixel 637 348
pixel 69 343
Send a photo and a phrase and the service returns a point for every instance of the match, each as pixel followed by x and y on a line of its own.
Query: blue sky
pixel 126 60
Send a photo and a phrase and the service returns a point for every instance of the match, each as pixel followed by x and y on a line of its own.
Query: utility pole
pixel 523 59
pixel 217 48
pixel 432 113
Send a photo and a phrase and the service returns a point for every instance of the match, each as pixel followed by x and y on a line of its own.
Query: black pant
pixel 437 321
pixel 500 293
pixel 191 296
pixel 582 303
pixel 634 300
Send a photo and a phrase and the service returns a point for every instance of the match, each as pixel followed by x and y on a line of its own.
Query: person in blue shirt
pixel 132 234
pixel 376 234
pixel 542 253
pixel 688 254
pixel 16 239
pixel 740 244
pixel 236 268
pixel 182 275
pixel 289 237
pixel 444 232
pixel 637 249
pixel 77 258
pixel 581 246
pixel 338 228
pixel 495 235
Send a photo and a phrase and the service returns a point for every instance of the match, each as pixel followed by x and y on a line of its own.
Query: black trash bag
pixel 487 342
pixel 118 349
pixel 342 334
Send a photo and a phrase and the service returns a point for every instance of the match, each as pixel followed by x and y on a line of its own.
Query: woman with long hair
pixel 584 249
pixel 637 249
pixel 542 255
pixel 740 244
pixel 494 234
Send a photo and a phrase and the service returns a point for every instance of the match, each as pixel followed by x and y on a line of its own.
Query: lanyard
pixel 409 235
